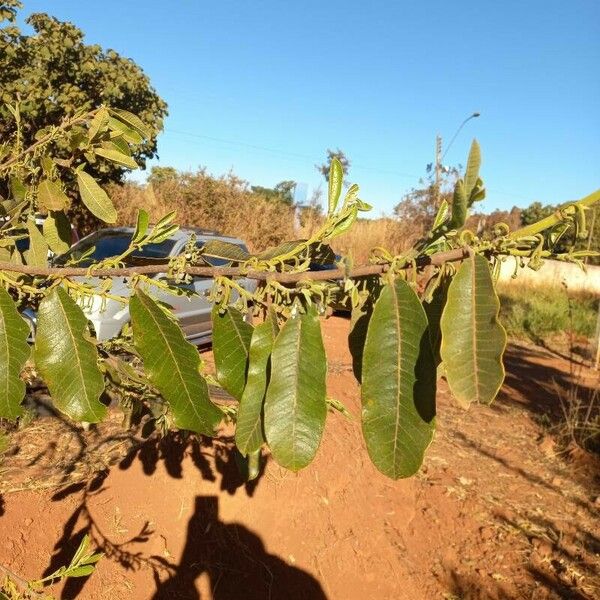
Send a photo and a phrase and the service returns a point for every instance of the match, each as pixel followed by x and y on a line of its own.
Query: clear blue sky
pixel 264 87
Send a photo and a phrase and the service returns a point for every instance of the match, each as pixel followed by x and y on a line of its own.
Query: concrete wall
pixel 554 273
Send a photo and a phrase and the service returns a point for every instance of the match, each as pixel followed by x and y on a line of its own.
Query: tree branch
pixel 361 271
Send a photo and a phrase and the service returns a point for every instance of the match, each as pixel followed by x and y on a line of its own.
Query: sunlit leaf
pixel 224 250
pixel 67 360
pixel 472 171
pixel 95 198
pixel 172 366
pixel 336 175
pixel 295 404
pixel 398 383
pixel 51 197
pixel 132 121
pixel 141 226
pixel 57 232
pixel 473 341
pixel 117 157
pixel 14 352
pixel 37 254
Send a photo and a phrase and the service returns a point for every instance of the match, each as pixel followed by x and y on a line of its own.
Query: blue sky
pixel 264 87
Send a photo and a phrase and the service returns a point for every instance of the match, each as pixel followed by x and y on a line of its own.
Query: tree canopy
pixel 52 74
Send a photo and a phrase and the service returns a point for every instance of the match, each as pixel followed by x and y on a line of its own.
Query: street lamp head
pixel 475 114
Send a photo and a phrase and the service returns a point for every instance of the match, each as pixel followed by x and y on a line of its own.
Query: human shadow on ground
pixel 234 562
pixel 215 459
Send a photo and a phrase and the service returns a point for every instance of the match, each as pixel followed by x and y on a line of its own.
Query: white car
pixel 109 316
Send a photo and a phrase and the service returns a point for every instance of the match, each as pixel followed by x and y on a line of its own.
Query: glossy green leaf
pixel 172 366
pixel 249 435
pixel 473 341
pixel 14 352
pixel 231 343
pixel 37 254
pixel 95 198
pixel 51 196
pixel 67 360
pixel 295 404
pixel 472 171
pixel 117 157
pixel 398 383
pixel 336 176
pixel 57 232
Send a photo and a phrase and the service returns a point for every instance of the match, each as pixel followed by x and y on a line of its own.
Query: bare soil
pixel 499 510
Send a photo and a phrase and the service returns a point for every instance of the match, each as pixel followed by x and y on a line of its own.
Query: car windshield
pixel 114 244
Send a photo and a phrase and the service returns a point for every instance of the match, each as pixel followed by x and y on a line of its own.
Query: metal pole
pixel 438 168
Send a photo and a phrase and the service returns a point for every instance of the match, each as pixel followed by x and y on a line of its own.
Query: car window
pixel 113 244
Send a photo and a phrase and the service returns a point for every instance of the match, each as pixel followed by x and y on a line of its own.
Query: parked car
pixel 109 316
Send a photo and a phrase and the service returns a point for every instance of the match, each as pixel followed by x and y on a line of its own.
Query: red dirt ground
pixel 494 513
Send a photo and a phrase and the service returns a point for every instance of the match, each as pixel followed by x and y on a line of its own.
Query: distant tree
pixel 484 223
pixel 326 166
pixel 159 175
pixel 52 74
pixel 535 212
pixel 283 191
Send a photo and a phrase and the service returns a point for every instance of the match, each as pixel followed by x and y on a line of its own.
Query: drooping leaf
pixel 434 310
pixel 356 338
pixel 14 352
pixel 37 254
pixel 67 360
pixel 231 343
pixel 57 232
pixel 224 251
pixel 51 197
pixel 172 366
pixel 336 175
pixel 472 171
pixel 95 198
pixel 473 341
pixel 249 430
pixel 345 223
pixel 295 404
pixel 117 157
pixel 398 383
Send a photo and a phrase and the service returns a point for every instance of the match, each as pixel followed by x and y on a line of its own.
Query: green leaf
pixel 57 232
pixel 459 206
pixel 95 198
pixel 117 157
pixel 295 404
pixel 284 249
pixel 38 248
pixel 127 133
pixel 356 338
pixel 336 175
pixel 132 121
pixel 67 360
pixel 345 223
pixel 14 352
pixel 141 226
pixel 172 366
pixel 249 430
pixel 434 310
pixel 472 171
pixel 51 197
pixel 473 341
pixel 398 383
pixel 99 121
pixel 231 343
pixel 17 189
pixel 224 250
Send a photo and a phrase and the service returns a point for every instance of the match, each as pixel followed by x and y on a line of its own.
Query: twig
pixel 20 583
pixel 362 271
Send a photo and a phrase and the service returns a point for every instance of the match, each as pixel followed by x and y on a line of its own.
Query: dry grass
pixel 227 204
